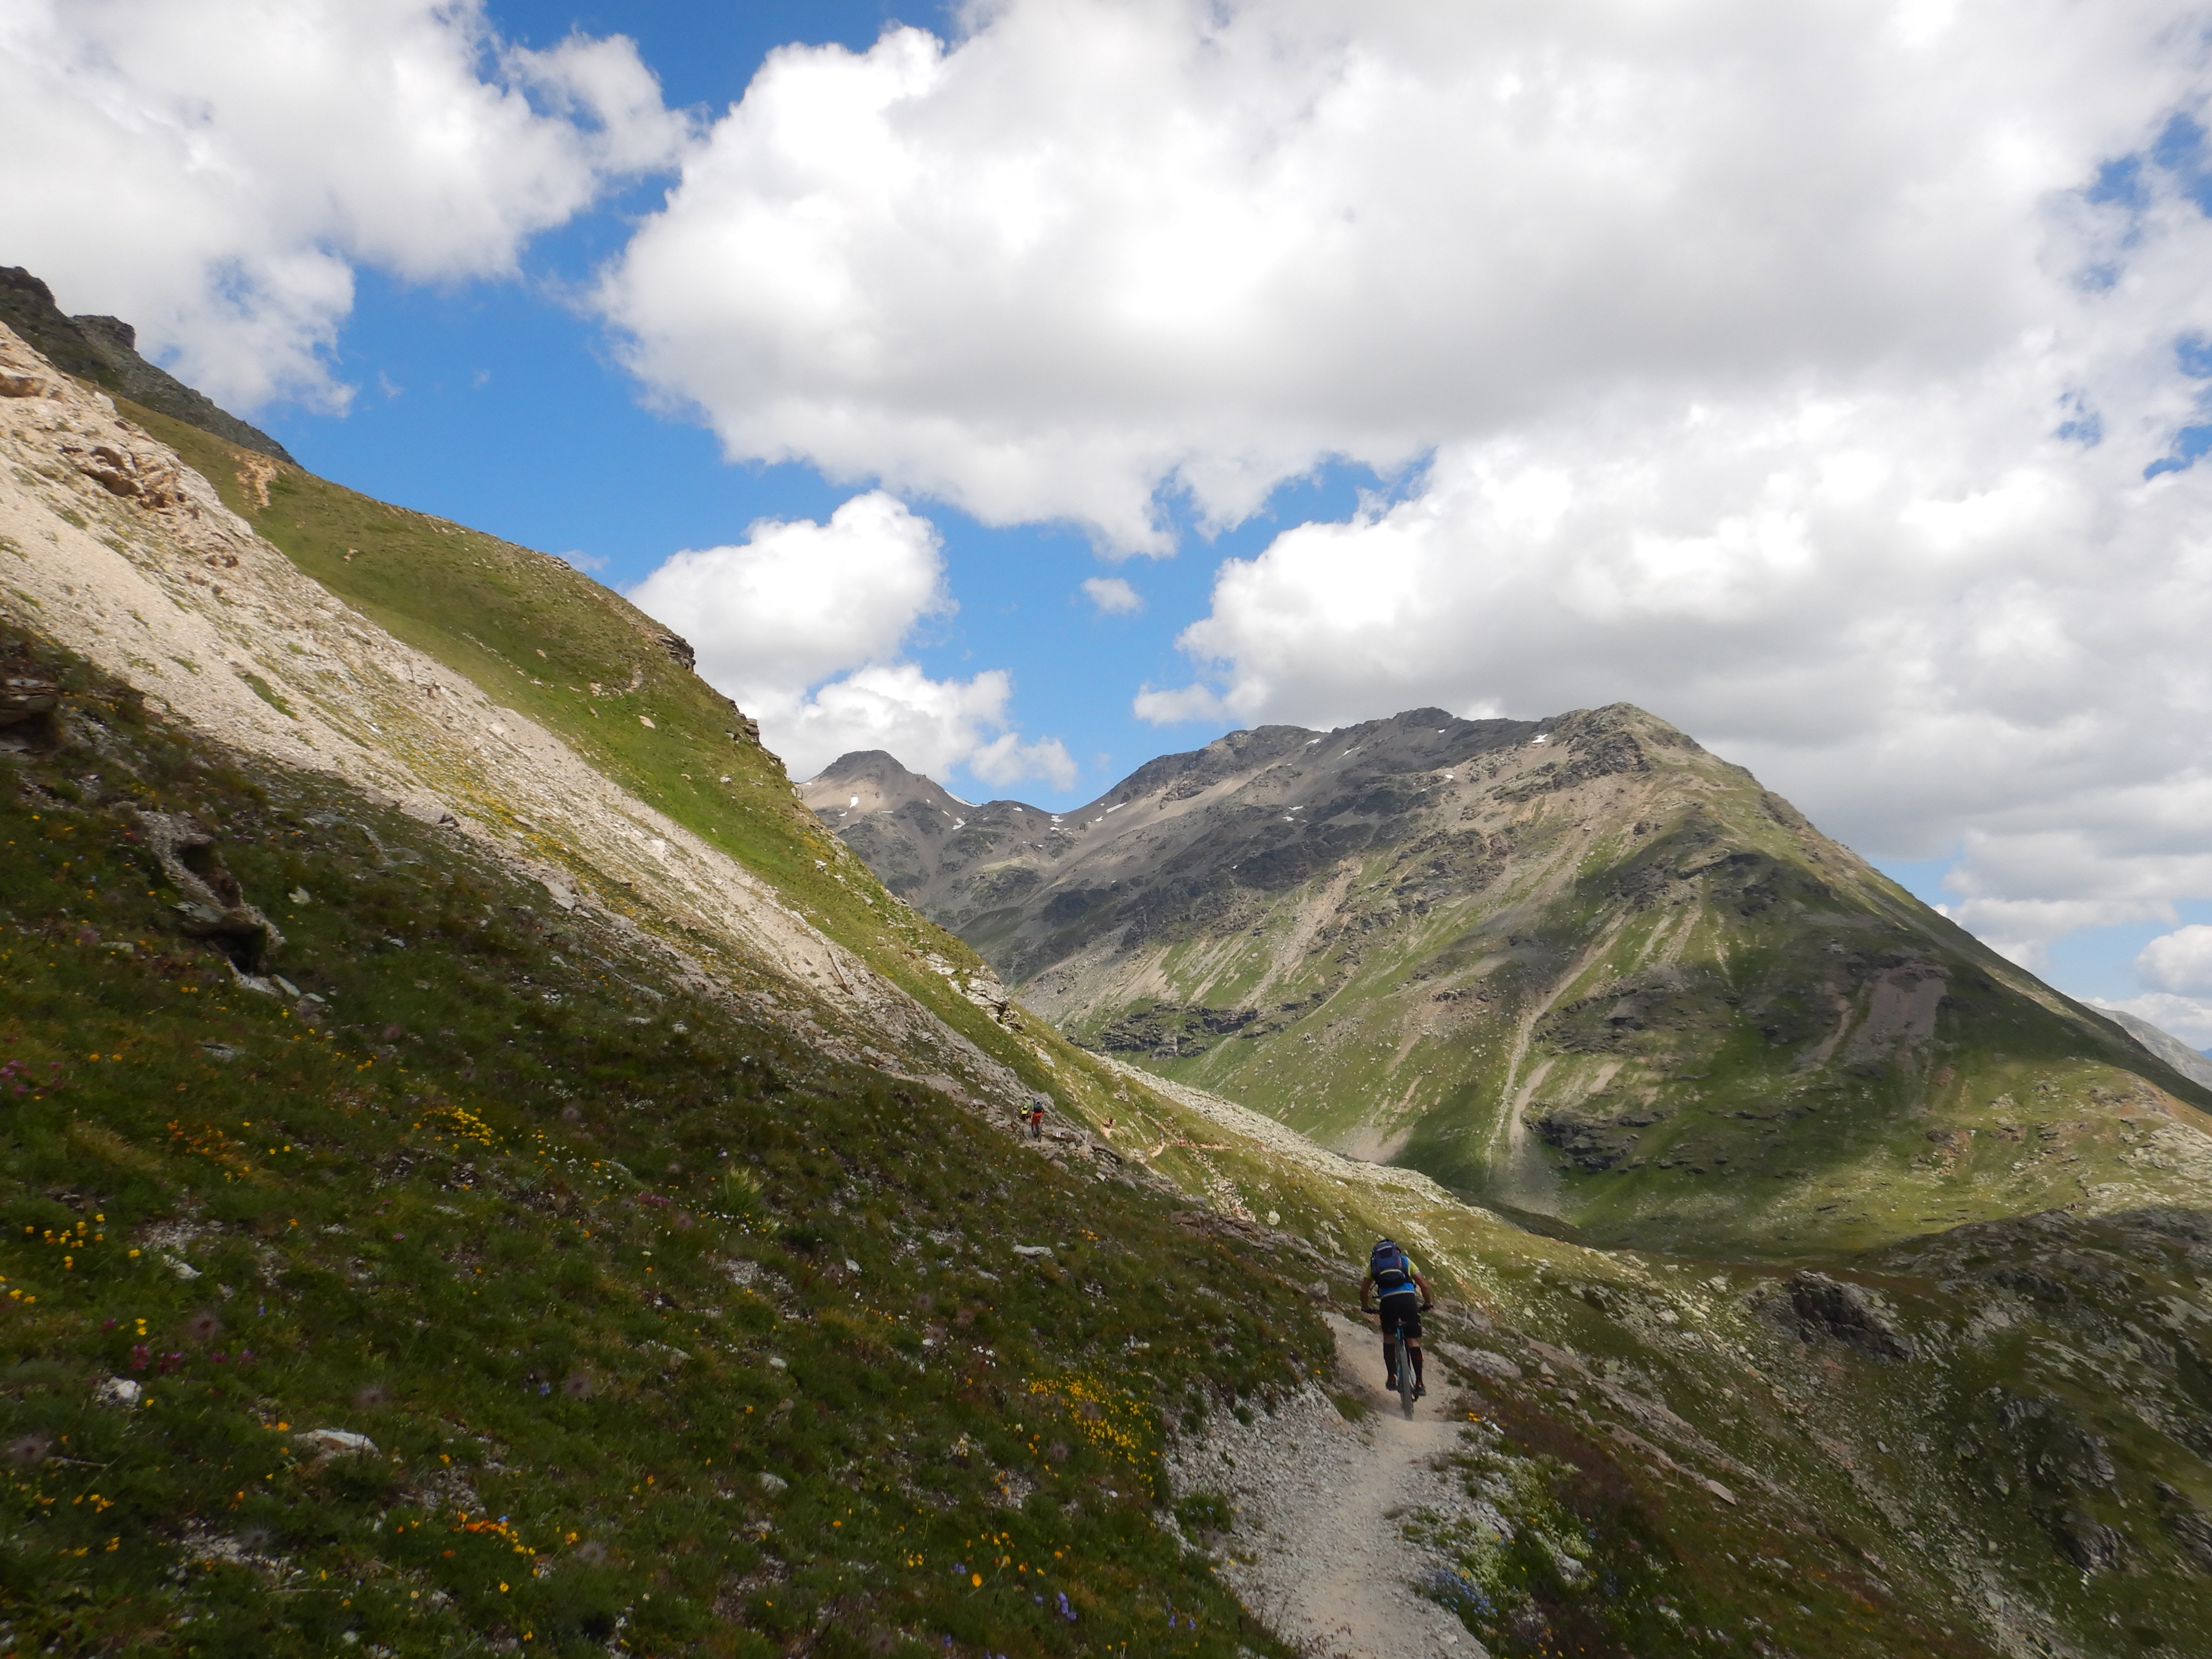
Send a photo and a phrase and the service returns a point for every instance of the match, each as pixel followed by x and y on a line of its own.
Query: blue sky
pixel 1521 360
pixel 502 405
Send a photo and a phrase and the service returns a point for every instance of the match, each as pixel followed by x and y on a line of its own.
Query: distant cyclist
pixel 1402 1297
pixel 1037 1117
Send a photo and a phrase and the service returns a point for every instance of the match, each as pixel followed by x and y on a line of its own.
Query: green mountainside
pixel 485 1171
pixel 499 1285
pixel 1578 968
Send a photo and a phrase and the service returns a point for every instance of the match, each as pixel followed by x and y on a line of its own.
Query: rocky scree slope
pixel 614 775
pixel 1579 967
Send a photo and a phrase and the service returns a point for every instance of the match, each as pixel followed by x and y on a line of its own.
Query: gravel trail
pixel 1317 1502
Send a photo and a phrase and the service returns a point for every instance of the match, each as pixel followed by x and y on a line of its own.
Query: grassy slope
pixel 1722 1109
pixel 474 1211
pixel 2061 1383
pixel 845 1170
pixel 538 636
pixel 488 608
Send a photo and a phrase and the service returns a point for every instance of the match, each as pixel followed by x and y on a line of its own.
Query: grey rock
pixel 105 351
pixel 2088 1543
pixel 1821 1307
pixel 2188 1525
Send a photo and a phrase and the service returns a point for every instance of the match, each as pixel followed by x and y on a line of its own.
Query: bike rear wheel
pixel 1405 1375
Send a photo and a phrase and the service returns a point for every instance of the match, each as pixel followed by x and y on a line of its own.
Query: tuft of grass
pixel 1351 1407
pixel 267 693
pixel 1205 1512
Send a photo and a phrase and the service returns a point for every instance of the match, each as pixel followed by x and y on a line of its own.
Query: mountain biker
pixel 1037 1117
pixel 1402 1297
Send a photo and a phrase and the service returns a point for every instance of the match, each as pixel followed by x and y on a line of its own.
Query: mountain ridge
pixel 105 351
pixel 1579 967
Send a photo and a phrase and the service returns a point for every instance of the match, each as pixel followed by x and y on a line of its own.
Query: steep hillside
pixel 486 1172
pixel 104 350
pixel 393 1258
pixel 457 1271
pixel 1578 967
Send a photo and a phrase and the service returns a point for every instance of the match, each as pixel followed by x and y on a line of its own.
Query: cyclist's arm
pixel 1365 1285
pixel 1427 1300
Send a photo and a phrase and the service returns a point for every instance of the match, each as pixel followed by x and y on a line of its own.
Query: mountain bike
pixel 1401 1361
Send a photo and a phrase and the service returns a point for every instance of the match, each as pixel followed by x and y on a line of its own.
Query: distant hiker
pixel 1037 1117
pixel 1403 1296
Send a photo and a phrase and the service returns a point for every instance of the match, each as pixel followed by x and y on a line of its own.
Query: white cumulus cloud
pixel 802 626
pixel 2180 962
pixel 1006 760
pixel 799 601
pixel 1096 248
pixel 1113 596
pixel 214 172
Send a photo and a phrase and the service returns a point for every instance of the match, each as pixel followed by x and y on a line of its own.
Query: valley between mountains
pixel 489 1169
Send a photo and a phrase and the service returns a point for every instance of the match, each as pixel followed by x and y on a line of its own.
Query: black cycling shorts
pixel 1401 1313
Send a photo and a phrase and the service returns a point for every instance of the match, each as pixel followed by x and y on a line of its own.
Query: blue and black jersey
pixel 1392 1274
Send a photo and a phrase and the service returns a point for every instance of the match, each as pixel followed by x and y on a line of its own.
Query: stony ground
pixel 1317 1552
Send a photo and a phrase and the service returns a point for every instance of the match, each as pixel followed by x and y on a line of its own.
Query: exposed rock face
pixel 212 907
pixel 902 825
pixel 1579 966
pixel 1173 846
pixel 30 704
pixel 2188 1525
pixel 104 350
pixel 1820 1307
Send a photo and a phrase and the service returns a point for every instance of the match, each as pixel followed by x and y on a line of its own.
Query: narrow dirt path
pixel 1315 1553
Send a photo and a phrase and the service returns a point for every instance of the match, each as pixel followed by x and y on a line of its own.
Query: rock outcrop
pixel 211 903
pixel 1818 1306
pixel 105 351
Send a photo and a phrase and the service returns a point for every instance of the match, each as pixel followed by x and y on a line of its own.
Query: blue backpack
pixel 1391 1269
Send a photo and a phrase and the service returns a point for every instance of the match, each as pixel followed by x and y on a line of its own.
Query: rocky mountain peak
pixel 105 351
pixel 868 781
pixel 1577 966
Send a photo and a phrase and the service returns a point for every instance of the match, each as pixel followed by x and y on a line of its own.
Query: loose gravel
pixel 1317 1554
